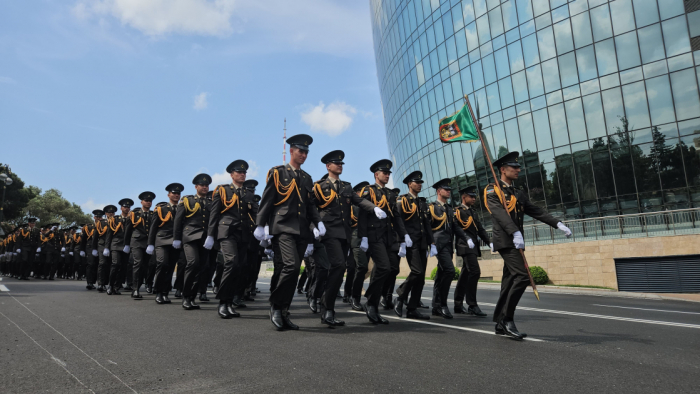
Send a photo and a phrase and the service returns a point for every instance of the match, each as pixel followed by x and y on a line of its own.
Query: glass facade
pixel 601 98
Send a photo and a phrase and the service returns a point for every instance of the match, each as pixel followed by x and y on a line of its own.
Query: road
pixel 58 337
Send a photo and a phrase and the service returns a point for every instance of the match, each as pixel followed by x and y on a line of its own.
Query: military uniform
pixel 88 248
pixel 136 236
pixel 255 251
pixel 395 263
pixel 29 242
pixel 104 262
pixel 78 259
pixel 161 238
pixel 359 257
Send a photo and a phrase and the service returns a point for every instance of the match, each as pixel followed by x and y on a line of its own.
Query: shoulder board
pixel 136 210
pixel 345 183
pixel 306 173
pixel 161 204
pixel 189 197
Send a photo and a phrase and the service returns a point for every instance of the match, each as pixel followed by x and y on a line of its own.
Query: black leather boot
pixel 276 318
pixel 510 329
pixel 203 297
pixel 166 300
pixel 372 314
pixel 474 310
pixel 223 312
pixel 398 307
pixel 136 294
pixel 416 315
pixel 238 302
pixel 159 299
pixel 232 311
pixel 355 305
pixel 313 305
pixel 110 291
pixel 288 323
pixel 186 304
pixel 178 294
pixel 460 309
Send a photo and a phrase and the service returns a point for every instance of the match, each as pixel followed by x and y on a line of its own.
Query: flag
pixel 458 127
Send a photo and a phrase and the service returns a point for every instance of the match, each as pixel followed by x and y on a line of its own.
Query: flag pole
pixel 495 179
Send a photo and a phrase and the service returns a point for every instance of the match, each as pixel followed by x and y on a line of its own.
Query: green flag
pixel 458 127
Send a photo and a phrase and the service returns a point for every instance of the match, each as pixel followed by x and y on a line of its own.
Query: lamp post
pixel 6 181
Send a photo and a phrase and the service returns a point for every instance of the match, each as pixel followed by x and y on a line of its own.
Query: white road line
pixel 4 288
pixel 54 358
pixel 644 309
pixel 447 326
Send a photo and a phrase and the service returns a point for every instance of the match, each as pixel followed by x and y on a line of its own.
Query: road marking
pixel 54 358
pixel 644 309
pixel 4 288
pixel 448 326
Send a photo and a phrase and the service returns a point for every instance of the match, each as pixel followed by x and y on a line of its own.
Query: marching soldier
pixel 78 255
pixel 444 231
pixel 114 225
pixel 417 221
pixel 253 255
pixel 104 263
pixel 42 250
pixel 377 236
pixel 230 221
pixel 334 200
pixel 359 256
pixel 160 240
pixel 470 274
pixel 508 238
pixel 119 251
pixel 286 208
pixel 136 241
pixel 190 234
pixel 29 243
pixel 87 248
pixel 395 259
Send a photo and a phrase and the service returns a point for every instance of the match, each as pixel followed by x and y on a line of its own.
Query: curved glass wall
pixel 601 98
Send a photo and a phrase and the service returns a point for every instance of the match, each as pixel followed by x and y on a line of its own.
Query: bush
pixel 301 270
pixel 539 275
pixel 434 273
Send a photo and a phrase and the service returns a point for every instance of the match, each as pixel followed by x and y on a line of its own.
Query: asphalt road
pixel 58 337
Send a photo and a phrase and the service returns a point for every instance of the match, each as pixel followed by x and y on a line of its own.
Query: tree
pixel 51 207
pixel 16 195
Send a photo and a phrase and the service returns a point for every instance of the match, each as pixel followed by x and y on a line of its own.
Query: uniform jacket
pixel 115 234
pixel 467 220
pixel 507 222
pixel 162 225
pixel 443 225
pixel 77 241
pixel 67 241
pixel 102 227
pixel 416 219
pixel 87 243
pixel 286 203
pixel 50 242
pixel 334 204
pixel 30 237
pixel 381 230
pixel 232 213
pixel 137 228
pixel 192 219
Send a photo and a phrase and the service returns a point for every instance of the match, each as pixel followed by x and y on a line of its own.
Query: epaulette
pixel 136 210
pixel 182 200
pixel 304 172
pixel 162 203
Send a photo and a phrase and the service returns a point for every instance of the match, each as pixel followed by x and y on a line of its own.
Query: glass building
pixel 601 98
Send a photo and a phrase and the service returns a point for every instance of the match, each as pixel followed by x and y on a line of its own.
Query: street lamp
pixel 6 181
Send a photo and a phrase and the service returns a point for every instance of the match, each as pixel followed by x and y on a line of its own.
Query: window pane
pixel 477 75
pixel 685 94
pixel 531 55
pixel 461 41
pixel 581 26
pixel 493 98
pixel 519 87
pixel 527 133
pixel 506 92
pixel 534 81
pixel 636 105
pixel 585 60
pixel 451 49
pixel 605 55
pixel 676 36
pixel 694 23
pixel 651 44
pixel 691 157
pixel 645 12
pixel 602 170
pixel 524 10
pixel 627 50
pixel 562 33
pixel 574 119
pixel 550 72
pixel 567 70
pixel 457 93
pixel 496 21
pixel 660 101
pixel 513 135
pixel 499 140
pixel 557 121
pixel 622 16
pixel 593 108
pixel 584 174
pixel 501 58
pixel 540 6
pixel 644 168
pixel 515 55
pixel 466 80
pixel 545 40
pixel 600 18
pixel 489 69
pixel 541 123
pixel 510 16
pixel 566 178
pixel 472 37
pixel 612 102
pixel 482 26
pixel 670 8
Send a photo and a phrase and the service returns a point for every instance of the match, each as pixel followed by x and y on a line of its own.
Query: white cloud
pixel 7 80
pixel 90 205
pixel 333 119
pixel 200 101
pixel 160 17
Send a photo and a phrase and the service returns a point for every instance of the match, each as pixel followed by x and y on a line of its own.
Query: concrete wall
pixel 584 263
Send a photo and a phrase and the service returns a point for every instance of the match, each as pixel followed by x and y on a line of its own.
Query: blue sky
pixel 103 99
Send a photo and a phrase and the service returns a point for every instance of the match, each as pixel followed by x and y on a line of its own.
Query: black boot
pixel 460 309
pixel 178 294
pixel 276 318
pixel 215 290
pixel 355 305
pixel 288 323
pixel 193 303
pixel 149 289
pixel 166 300
pixel 510 329
pixel 110 291
pixel 203 297
pixel 128 288
pixel 398 307
pixel 232 311
pixel 116 292
pixel 186 304
pixel 223 312
pixel 372 314
pixel 420 304
pixel 476 311
pixel 136 294
pixel 313 305
pixel 238 302
pixel 159 299
pixel 346 300
pixel 414 314
pixel 444 311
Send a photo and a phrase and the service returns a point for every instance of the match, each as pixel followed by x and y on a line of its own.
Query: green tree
pixel 52 207
pixel 16 196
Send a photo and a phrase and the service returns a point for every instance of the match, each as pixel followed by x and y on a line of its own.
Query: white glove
pixel 565 229
pixel 518 240
pixel 53 228
pixel 267 232
pixel 38 250
pixel 70 253
pixel 177 244
pixel 491 245
pixel 470 243
pixel 63 249
pixel 409 243
pixel 94 252
pixel 402 250
pixel 82 253
pixel 265 243
pixel 104 252
pixel 433 251
pixel 150 249
pixel 321 228
pixel 19 250
pixel 309 250
pixel 269 252
pixel 380 213
pixel 364 244
pixel 127 249
pixel 259 233
pixel 317 234
pixel 209 242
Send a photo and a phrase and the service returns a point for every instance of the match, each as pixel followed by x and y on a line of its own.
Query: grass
pixel 585 286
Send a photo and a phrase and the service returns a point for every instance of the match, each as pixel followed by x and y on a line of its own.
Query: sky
pixel 105 99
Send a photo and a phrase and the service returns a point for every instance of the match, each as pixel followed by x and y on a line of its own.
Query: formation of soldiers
pixel 331 225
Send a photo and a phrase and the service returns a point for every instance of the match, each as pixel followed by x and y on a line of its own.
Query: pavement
pixel 58 337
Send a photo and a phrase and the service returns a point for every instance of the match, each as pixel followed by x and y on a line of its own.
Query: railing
pixel 654 224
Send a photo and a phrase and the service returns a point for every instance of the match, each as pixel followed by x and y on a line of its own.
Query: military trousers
pixel 513 284
pixel 291 249
pixel 444 277
pixel 119 262
pixel 141 263
pixel 78 264
pixel 232 278
pixel 103 266
pixel 361 267
pixel 90 267
pixel 349 274
pixel 166 259
pixel 195 256
pixel 379 252
pixel 336 251
pixel 468 280
pixel 322 267
pixel 304 275
pixel 277 265
pixel 395 268
pixel 28 258
pixel 411 289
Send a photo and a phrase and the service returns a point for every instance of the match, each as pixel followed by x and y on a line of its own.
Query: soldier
pixel 416 219
pixel 444 231
pixel 29 239
pixel 160 240
pixel 88 249
pixel 253 255
pixel 395 259
pixel 115 240
pixel 334 200
pixel 231 220
pixel 42 250
pixel 102 227
pixel 136 241
pixel 377 236
pixel 470 274
pixel 78 255
pixel 286 208
pixel 359 256
pixel 190 233
pixel 508 238
pixel 115 225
